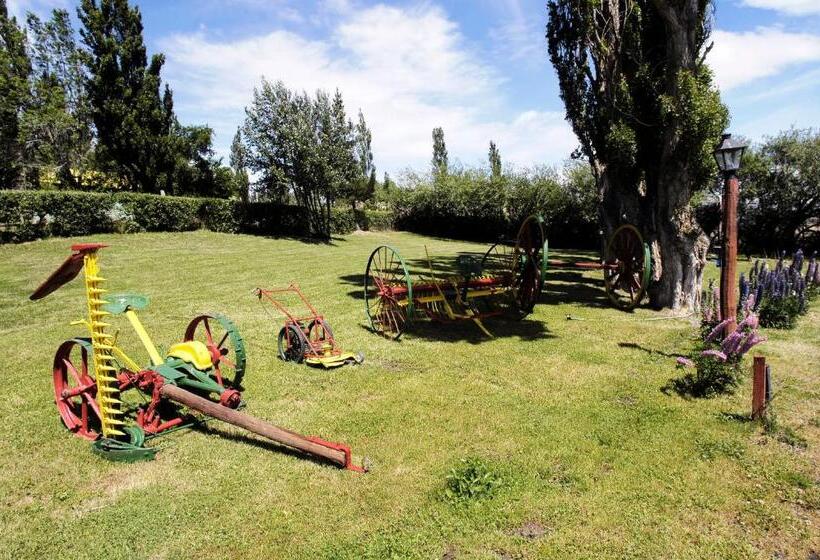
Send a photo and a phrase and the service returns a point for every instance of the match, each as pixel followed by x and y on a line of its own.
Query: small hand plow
pixel 306 338
pixel 94 377
pixel 508 279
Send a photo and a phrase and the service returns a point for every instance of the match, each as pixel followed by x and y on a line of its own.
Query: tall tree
pixel 495 160
pixel 641 101
pixel 439 161
pixel 364 185
pixel 132 118
pixel 15 68
pixel 57 123
pixel 239 165
pixel 305 144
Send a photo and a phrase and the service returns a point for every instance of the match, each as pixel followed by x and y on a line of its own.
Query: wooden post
pixel 728 270
pixel 260 427
pixel 759 388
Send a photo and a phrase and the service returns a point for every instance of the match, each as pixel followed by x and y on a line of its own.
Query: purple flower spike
pixel 717 330
pixel 753 340
pixel 731 343
pixel 714 354
pixel 685 362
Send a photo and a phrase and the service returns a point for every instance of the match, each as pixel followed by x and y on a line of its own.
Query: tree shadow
pixel 332 242
pixel 571 286
pixel 257 441
pixel 649 351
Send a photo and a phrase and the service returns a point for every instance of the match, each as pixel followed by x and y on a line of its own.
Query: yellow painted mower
pixel 306 337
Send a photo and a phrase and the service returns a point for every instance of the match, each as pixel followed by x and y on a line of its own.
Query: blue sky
pixel 478 68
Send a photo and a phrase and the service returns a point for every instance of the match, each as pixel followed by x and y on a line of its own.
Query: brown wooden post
pixel 728 271
pixel 759 387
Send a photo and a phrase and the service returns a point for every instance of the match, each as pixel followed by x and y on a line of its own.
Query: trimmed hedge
pixel 28 215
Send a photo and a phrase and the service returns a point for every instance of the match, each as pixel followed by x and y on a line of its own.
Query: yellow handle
pixel 146 340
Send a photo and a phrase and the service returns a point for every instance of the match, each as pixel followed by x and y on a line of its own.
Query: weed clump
pixel 471 480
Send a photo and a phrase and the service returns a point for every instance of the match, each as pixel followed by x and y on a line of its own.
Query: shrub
pixel 342 221
pixel 717 361
pixel 783 294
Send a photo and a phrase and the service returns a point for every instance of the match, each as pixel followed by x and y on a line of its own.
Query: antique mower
pixel 106 397
pixel 306 338
pixel 508 280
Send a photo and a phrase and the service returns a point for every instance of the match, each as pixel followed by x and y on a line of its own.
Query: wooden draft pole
pixel 335 453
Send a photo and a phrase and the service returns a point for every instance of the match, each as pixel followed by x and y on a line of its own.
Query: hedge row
pixel 29 215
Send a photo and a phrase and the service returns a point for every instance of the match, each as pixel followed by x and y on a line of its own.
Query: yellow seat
pixel 192 352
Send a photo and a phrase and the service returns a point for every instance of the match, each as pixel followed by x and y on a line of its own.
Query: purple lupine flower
pixel 758 297
pixel 715 333
pixel 744 289
pixel 684 362
pixel 750 322
pixel 731 343
pixel 714 354
pixel 752 340
pixel 797 261
pixel 750 304
pixel 810 271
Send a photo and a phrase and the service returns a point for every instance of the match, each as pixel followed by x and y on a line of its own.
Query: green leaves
pixel 472 479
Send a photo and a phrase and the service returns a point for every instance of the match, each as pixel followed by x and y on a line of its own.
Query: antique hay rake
pixel 508 279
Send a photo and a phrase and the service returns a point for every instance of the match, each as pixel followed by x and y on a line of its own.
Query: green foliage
pixel 56 125
pixel 471 480
pixel 343 220
pixel 708 378
pixel 779 313
pixel 780 199
pixel 439 162
pixel 26 215
pixel 710 449
pixel 239 166
pixel 472 204
pixel 494 156
pixel 15 68
pixel 305 145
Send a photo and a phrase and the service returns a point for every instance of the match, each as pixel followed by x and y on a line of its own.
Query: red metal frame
pixel 314 349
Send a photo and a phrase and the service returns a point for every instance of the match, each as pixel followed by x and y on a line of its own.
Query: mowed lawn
pixel 566 407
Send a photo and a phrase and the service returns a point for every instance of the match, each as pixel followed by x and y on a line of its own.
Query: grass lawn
pixel 594 461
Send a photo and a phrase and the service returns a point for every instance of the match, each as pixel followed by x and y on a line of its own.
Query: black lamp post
pixel 728 155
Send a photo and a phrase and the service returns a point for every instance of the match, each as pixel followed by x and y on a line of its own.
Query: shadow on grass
pixel 570 286
pixel 256 441
pixel 649 351
pixel 467 331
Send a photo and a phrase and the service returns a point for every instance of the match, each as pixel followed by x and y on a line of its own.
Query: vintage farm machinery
pixel 306 337
pixel 104 396
pixel 508 279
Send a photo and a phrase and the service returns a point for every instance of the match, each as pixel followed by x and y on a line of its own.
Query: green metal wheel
pixel 627 267
pixel 388 292
pixel 529 264
pixel 225 344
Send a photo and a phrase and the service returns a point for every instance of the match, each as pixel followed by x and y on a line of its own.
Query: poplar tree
pixel 15 68
pixel 439 161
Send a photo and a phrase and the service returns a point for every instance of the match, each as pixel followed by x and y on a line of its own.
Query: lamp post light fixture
pixel 728 155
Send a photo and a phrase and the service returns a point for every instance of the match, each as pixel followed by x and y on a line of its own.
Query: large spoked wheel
pixel 291 344
pixel 225 345
pixel 75 389
pixel 388 292
pixel 529 264
pixel 628 267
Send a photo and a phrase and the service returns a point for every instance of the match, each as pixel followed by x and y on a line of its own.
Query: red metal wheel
pixel 388 292
pixel 75 390
pixel 627 267
pixel 225 345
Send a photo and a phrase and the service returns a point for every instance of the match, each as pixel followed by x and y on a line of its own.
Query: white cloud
pixel 739 58
pixel 790 7
pixel 520 36
pixel 408 69
pixel 19 8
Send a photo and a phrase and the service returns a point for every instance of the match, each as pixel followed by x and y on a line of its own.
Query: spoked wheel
pixel 320 334
pixel 75 390
pixel 628 267
pixel 225 344
pixel 498 260
pixel 529 264
pixel 291 344
pixel 388 292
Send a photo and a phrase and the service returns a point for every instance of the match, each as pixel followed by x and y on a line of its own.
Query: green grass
pixel 590 459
